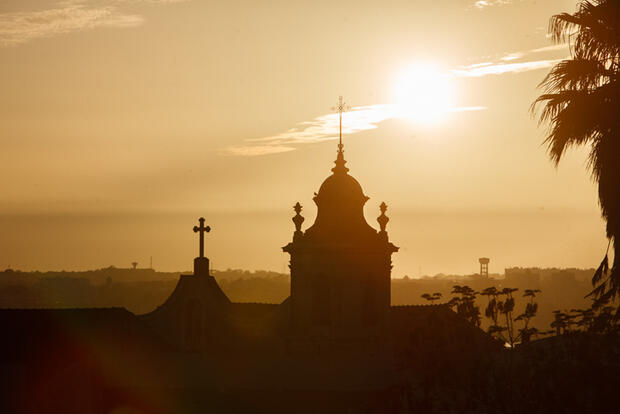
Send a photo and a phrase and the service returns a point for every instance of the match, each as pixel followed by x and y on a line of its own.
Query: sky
pixel 123 121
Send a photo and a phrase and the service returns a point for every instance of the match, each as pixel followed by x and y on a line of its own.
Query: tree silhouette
pixel 492 311
pixel 581 102
pixel 585 318
pixel 501 302
pixel 526 332
pixel 500 308
pixel 431 298
pixel 596 319
pixel 465 303
pixel 605 321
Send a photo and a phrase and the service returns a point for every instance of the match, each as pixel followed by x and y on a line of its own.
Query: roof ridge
pixel 430 305
pixel 117 308
pixel 254 303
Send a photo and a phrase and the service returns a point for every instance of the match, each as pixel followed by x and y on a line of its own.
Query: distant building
pixel 562 276
pixel 484 266
pixel 517 276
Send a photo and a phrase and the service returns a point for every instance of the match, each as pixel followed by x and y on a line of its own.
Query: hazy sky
pixel 122 121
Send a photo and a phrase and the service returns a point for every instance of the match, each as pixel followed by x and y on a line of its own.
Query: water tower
pixel 484 266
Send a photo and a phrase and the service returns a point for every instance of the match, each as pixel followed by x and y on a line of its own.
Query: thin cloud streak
pixel 325 127
pixel 20 27
pixel 481 4
pixel 502 68
pixel 256 150
pixel 512 56
pixel 506 63
pixel 151 1
pixel 552 48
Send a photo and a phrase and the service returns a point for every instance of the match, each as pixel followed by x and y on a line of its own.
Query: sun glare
pixel 424 93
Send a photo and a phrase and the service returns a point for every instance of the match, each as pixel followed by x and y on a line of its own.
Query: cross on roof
pixel 340 108
pixel 202 229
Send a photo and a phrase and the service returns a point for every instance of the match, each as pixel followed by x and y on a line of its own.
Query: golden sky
pixel 122 121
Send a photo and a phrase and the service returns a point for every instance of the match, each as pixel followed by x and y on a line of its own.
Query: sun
pixel 424 93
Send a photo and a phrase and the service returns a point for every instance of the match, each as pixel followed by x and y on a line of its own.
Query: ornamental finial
pixel 383 219
pixel 340 162
pixel 298 219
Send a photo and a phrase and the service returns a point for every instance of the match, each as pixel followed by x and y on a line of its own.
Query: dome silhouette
pixel 340 202
pixel 340 188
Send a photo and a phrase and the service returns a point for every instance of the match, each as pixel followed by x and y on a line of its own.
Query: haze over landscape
pixel 123 121
pixel 309 206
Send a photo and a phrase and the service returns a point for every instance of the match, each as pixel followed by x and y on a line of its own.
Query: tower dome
pixel 342 188
pixel 340 202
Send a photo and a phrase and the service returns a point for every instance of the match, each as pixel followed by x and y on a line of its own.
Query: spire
pixel 340 162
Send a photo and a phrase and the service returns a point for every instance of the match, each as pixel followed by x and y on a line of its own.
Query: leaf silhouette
pixel 601 271
pixel 598 291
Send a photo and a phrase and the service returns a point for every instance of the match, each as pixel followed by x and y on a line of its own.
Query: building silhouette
pixel 334 345
pixel 340 266
pixel 484 266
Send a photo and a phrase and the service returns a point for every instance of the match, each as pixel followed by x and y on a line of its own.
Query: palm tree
pixel 581 104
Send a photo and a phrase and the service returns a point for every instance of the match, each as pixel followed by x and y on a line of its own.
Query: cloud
pixel 512 56
pixel 255 150
pixel 481 4
pixel 551 48
pixel 149 1
pixel 325 127
pixel 20 27
pixel 507 64
pixel 501 68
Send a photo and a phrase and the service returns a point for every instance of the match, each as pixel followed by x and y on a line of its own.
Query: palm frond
pixel 591 31
pixel 601 271
pixel 576 117
pixel 577 74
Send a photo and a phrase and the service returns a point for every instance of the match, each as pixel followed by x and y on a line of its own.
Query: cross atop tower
pixel 340 162
pixel 202 229
pixel 340 108
pixel 201 263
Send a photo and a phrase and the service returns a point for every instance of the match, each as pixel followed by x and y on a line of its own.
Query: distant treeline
pixel 142 290
pixel 138 290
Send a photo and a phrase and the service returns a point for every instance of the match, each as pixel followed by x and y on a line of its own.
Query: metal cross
pixel 202 229
pixel 340 108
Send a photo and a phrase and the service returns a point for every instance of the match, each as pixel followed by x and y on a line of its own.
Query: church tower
pixel 340 266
